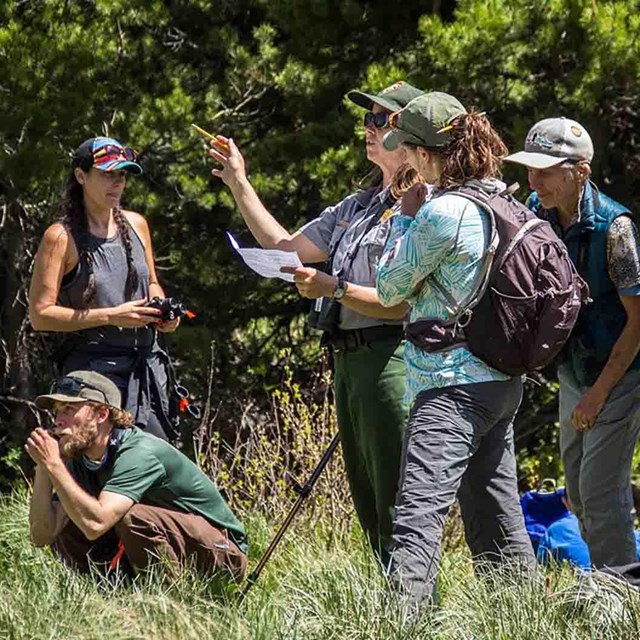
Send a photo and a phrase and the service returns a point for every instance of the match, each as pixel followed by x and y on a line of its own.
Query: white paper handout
pixel 267 262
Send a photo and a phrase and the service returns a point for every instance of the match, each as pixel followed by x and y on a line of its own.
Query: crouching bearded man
pixel 106 493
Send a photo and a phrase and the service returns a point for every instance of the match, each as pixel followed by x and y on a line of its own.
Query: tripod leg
pixel 304 492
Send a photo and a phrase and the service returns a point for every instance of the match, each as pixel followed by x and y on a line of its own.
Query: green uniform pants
pixel 369 390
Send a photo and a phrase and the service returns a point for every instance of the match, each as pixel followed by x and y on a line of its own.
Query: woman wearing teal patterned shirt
pixel 459 438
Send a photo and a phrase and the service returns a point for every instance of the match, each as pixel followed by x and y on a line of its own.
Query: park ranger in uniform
pixel 365 338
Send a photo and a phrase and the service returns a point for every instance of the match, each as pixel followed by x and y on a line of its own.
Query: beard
pixel 83 438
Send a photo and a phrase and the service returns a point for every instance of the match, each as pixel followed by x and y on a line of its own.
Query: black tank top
pixel 110 271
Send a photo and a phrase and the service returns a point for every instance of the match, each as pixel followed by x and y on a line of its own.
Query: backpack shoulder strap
pixel 461 310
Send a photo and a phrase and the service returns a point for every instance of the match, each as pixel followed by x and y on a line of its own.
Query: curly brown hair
pixel 121 418
pixel 403 179
pixel 475 151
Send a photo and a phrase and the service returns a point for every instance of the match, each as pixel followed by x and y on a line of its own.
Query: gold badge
pixel 386 214
pixel 393 87
pixel 576 131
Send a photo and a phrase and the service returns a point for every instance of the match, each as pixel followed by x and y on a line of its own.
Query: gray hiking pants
pixel 459 441
pixel 597 468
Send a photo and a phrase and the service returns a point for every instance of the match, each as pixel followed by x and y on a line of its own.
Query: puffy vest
pixel 601 322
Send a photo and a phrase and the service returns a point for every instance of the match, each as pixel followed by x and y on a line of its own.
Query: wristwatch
pixel 341 289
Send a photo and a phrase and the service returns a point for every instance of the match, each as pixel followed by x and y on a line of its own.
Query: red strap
pixel 116 559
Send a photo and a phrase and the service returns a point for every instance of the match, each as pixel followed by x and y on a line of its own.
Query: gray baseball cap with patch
pixel 82 386
pixel 553 141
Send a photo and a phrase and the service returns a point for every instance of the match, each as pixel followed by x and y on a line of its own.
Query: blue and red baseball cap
pixel 106 154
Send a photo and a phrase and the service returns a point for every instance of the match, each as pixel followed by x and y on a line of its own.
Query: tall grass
pixel 273 451
pixel 322 583
pixel 313 590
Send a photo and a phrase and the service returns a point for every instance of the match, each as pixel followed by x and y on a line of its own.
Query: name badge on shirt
pixel 386 214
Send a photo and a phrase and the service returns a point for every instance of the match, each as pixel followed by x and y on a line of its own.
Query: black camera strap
pixel 376 209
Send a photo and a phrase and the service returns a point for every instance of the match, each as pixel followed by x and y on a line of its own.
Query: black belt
pixel 355 338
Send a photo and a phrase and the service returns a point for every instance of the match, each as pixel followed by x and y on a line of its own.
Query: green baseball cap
pixel 393 98
pixel 80 386
pixel 422 121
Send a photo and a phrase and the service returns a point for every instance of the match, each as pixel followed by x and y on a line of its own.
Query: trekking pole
pixel 303 491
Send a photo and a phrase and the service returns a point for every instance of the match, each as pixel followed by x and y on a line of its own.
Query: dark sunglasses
pixel 376 120
pixel 184 404
pixel 71 386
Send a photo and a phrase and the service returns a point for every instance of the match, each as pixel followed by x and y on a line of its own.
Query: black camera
pixel 171 308
pixel 325 315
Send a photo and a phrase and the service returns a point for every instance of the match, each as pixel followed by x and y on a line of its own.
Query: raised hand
pixel 224 150
pixel 43 449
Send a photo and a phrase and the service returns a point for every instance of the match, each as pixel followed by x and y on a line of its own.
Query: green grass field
pixel 317 586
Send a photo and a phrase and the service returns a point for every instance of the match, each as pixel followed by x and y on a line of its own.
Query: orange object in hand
pixel 219 141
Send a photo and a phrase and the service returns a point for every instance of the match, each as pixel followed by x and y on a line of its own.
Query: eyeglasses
pixel 377 120
pixel 71 386
pixel 113 152
pixel 184 404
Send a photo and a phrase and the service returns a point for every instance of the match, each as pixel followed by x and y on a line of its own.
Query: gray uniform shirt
pixel 355 232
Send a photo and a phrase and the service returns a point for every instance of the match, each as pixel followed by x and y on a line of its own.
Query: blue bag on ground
pixel 541 509
pixel 555 531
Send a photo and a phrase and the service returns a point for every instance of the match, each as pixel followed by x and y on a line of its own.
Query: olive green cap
pixel 393 98
pixel 422 121
pixel 81 386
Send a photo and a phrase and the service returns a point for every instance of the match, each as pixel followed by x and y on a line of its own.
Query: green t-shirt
pixel 151 471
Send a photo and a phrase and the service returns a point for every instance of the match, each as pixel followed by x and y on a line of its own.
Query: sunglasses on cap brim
pixel 376 120
pixel 393 120
pixel 71 386
pixel 108 153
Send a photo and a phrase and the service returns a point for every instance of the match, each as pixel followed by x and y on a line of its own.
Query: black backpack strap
pixel 583 254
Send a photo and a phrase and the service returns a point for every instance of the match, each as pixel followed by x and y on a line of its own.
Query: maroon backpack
pixel 525 300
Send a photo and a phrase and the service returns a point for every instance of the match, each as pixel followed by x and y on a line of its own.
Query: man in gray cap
pixel 105 491
pixel 599 371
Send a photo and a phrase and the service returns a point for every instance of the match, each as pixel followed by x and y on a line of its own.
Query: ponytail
pixel 475 151
pixel 132 274
pixel 403 179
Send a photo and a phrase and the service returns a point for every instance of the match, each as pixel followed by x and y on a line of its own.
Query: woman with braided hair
pixel 93 275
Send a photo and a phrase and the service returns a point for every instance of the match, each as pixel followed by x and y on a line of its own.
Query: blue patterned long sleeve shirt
pixel 447 240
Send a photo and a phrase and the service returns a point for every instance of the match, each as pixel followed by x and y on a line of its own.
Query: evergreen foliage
pixel 272 74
